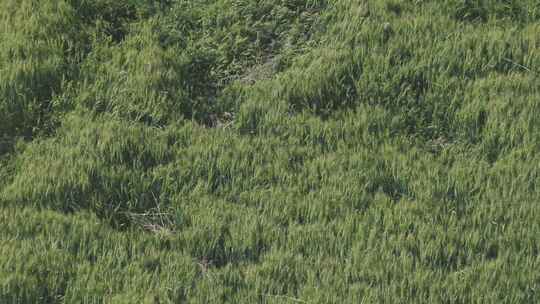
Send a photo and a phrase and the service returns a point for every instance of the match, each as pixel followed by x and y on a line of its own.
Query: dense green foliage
pixel 258 151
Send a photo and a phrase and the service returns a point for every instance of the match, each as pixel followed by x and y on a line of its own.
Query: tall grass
pixel 250 151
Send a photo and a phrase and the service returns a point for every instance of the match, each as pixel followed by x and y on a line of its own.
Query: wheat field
pixel 264 151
